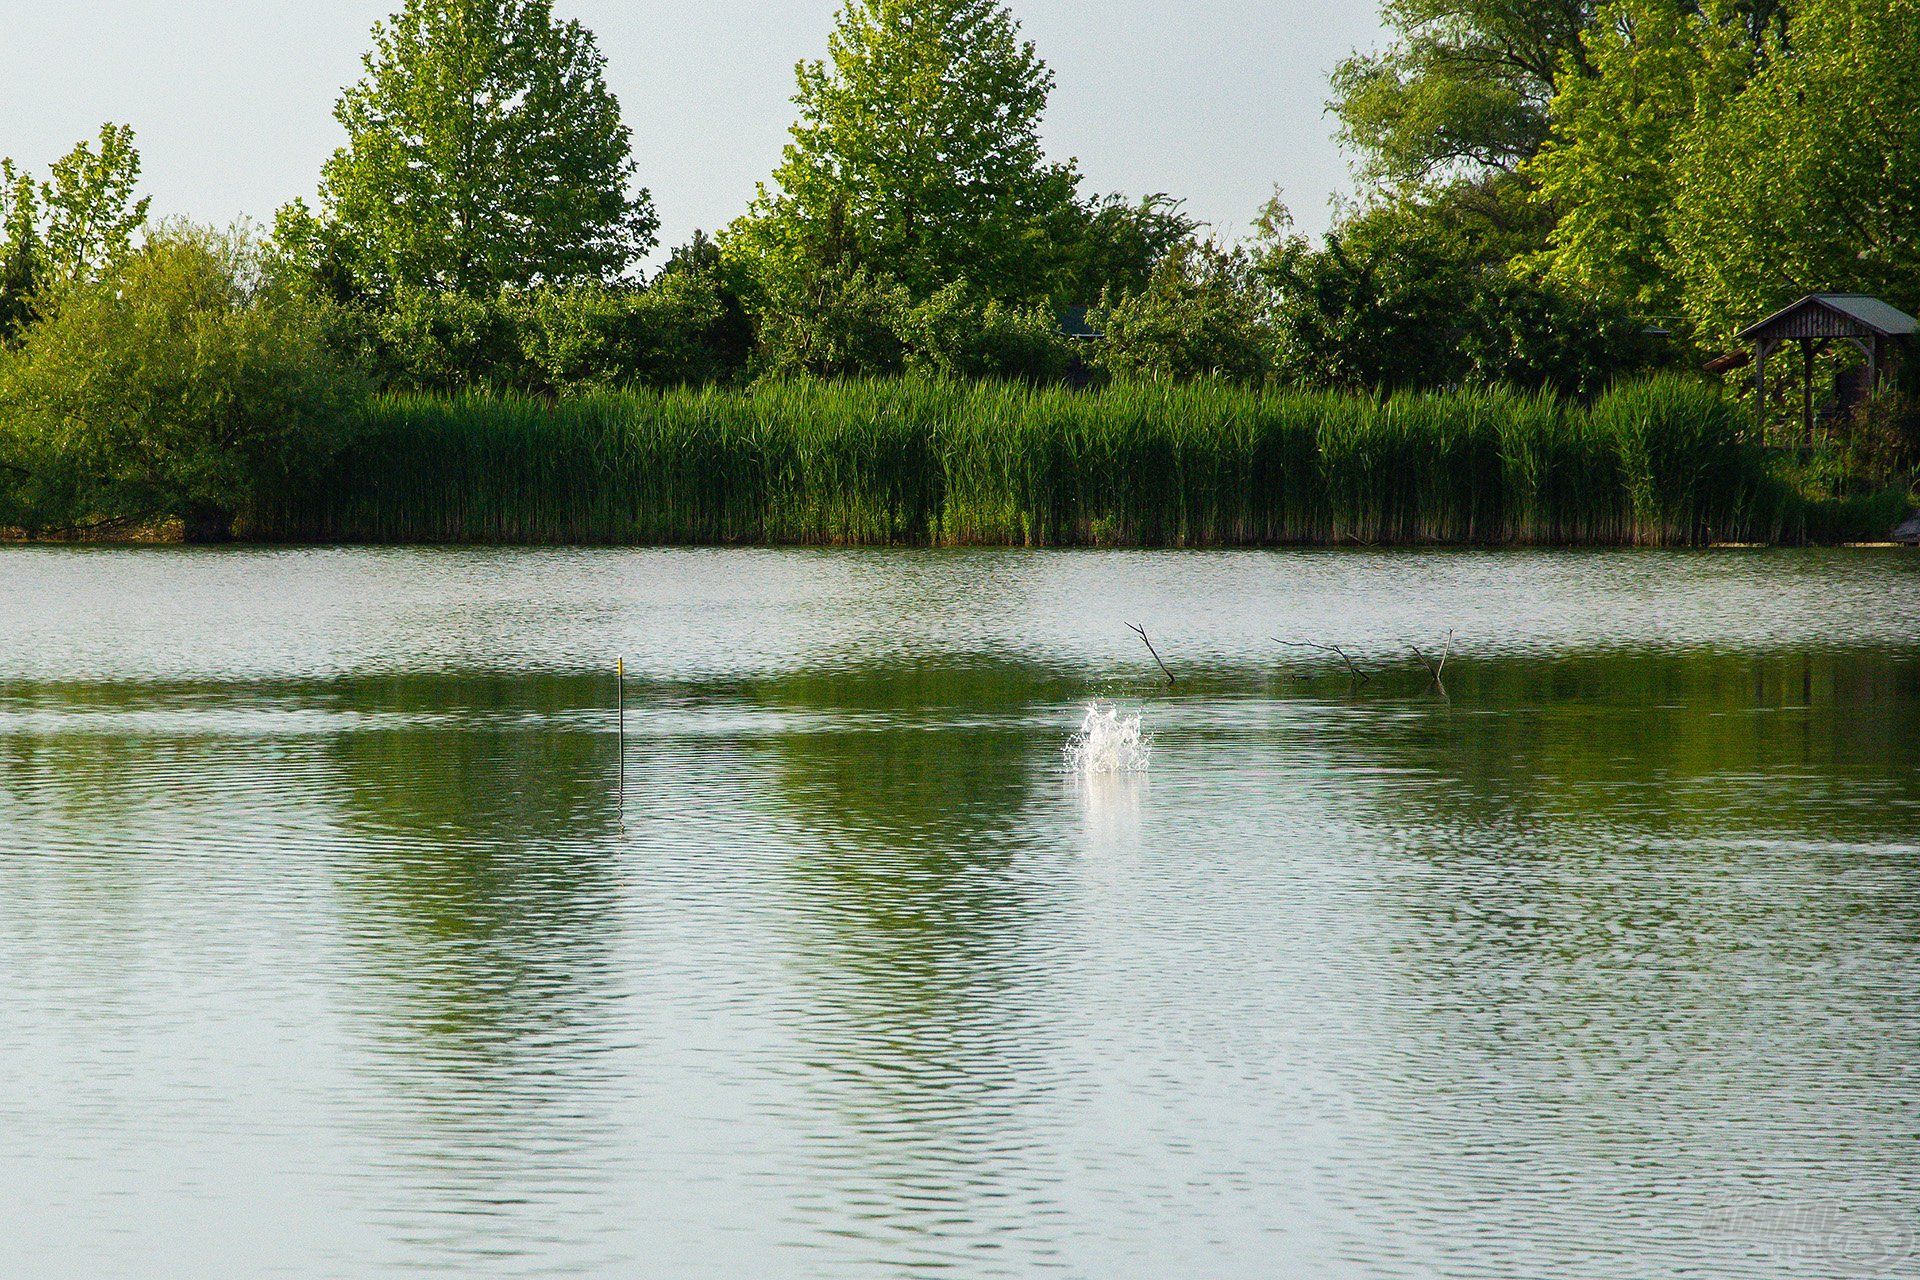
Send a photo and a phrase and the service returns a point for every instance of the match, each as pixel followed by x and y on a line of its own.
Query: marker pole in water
pixel 620 685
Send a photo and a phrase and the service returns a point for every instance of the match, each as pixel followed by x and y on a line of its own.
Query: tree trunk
pixel 206 525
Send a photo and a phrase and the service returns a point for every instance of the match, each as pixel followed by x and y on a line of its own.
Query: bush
pixel 678 332
pixel 178 386
pixel 845 322
pixel 953 335
pixel 1383 310
pixel 429 340
pixel 1202 316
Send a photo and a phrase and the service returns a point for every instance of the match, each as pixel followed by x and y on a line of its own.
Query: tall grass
pixel 993 463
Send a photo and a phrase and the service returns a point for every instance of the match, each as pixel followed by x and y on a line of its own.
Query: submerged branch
pixel 1438 670
pixel 1164 670
pixel 1353 668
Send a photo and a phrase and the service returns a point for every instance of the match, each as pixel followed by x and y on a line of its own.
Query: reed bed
pixel 925 462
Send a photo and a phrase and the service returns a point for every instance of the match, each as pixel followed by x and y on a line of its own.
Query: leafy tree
pixel 91 214
pixel 1608 171
pixel 186 382
pixel 1201 316
pixel 729 337
pixel 956 335
pixel 1463 88
pixel 1119 244
pixel 843 322
pixel 1809 179
pixel 483 149
pixel 917 153
pixel 445 341
pixel 1394 302
pixel 19 250
pixel 675 332
pixel 1367 312
pixel 68 229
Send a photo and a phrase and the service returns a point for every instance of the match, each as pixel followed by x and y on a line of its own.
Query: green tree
pixel 483 149
pixel 841 322
pixel 89 208
pixel 1659 66
pixel 19 250
pixel 1809 179
pixel 917 154
pixel 1203 315
pixel 69 229
pixel 1119 244
pixel 184 383
pixel 1464 88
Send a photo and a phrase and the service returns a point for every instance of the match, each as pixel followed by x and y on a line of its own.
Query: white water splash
pixel 1109 743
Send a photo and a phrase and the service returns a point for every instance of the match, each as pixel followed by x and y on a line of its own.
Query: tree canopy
pixel 917 154
pixel 1464 87
pixel 1809 179
pixel 484 149
pixel 70 228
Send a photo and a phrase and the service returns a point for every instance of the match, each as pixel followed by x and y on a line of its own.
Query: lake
pixel 330 947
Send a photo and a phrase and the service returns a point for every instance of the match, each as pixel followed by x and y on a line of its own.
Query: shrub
pixel 953 335
pixel 677 332
pixel 1201 317
pixel 179 385
pixel 430 340
pixel 845 322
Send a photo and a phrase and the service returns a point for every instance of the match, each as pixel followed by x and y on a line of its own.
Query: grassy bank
pixel 1659 462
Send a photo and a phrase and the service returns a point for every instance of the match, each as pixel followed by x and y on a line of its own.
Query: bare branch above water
pixel 1141 631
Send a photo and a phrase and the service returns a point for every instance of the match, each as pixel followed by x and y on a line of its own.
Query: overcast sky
pixel 1214 100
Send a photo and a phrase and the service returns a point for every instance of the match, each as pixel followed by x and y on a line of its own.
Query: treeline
pixel 1555 197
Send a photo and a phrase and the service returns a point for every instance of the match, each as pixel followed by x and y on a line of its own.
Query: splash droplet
pixel 1109 742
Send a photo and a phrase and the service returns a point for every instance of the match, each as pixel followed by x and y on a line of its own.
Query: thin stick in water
pixel 1353 668
pixel 1142 633
pixel 1437 670
pixel 620 685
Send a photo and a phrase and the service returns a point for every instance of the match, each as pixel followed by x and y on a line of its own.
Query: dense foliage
pixel 483 151
pixel 67 229
pixel 176 385
pixel 917 153
pixel 1557 199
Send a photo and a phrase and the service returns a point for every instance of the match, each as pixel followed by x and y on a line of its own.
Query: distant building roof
pixel 1842 312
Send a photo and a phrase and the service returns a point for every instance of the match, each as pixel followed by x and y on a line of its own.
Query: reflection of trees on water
pixel 1649 921
pixel 481 905
pixel 920 946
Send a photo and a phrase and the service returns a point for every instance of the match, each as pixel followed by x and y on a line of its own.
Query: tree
pixel 91 215
pixel 1463 89
pixel 1119 245
pixel 1396 300
pixel 1809 179
pixel 1659 66
pixel 1202 316
pixel 69 229
pixel 483 149
pixel 185 382
pixel 19 250
pixel 917 154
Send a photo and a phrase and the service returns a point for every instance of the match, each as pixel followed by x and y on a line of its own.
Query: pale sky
pixel 1214 100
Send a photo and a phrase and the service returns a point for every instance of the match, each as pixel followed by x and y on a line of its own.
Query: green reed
pixel 925 462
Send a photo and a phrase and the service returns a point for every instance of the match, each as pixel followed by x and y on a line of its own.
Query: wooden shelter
pixel 1820 320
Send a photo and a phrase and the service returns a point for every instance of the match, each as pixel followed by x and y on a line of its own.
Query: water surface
pixel 328 949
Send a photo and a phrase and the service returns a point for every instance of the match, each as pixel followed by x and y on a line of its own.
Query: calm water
pixel 325 952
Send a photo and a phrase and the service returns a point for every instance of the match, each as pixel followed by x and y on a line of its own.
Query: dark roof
pixel 1077 322
pixel 1871 314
